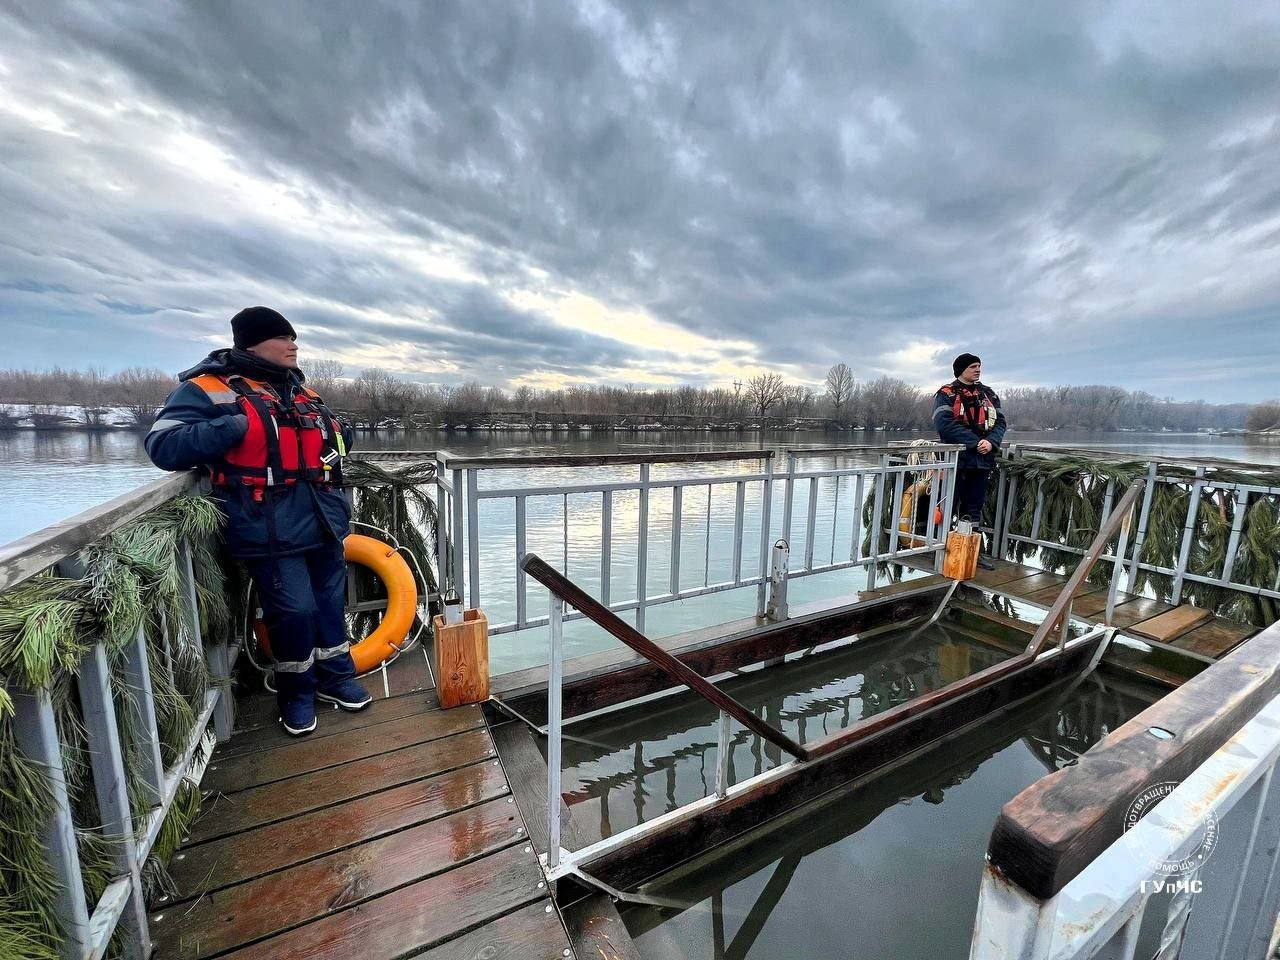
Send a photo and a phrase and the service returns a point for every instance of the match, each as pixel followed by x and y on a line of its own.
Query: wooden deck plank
pixel 1046 596
pixel 1024 587
pixel 1094 603
pixel 1215 638
pixel 1005 572
pixel 407 674
pixel 597 931
pixel 904 586
pixel 1137 609
pixel 423 914
pixel 330 720
pixel 288 798
pixel 220 863
pixel 531 933
pixel 1172 623
pixel 291 759
pixel 279 901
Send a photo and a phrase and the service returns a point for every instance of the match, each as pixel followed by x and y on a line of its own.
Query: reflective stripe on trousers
pixel 296 666
pixel 326 653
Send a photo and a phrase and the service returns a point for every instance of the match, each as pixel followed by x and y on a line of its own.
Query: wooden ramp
pixel 1186 627
pixel 388 833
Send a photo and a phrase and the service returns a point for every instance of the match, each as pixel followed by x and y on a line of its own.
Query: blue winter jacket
pixel 951 430
pixel 196 429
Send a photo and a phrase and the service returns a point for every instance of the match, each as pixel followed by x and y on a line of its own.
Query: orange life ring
pixel 402 602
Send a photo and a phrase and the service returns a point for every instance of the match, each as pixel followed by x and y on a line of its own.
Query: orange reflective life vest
pixel 286 443
pixel 972 406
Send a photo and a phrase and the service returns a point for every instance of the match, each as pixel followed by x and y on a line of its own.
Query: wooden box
pixel 961 560
pixel 462 659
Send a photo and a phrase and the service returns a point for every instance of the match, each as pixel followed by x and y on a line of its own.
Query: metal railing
pixel 462 489
pixel 121 910
pixel 1201 484
pixel 1072 869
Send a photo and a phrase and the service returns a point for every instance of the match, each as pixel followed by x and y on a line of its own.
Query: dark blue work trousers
pixel 302 597
pixel 971 494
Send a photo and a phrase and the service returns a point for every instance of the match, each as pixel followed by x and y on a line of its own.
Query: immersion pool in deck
pixel 887 868
pixel 649 759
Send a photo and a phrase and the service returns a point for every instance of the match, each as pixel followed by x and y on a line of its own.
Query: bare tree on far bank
pixel 376 397
pixel 764 390
pixel 1264 416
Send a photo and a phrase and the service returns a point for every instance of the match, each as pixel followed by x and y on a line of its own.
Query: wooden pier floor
pixel 388 833
pixel 1186 627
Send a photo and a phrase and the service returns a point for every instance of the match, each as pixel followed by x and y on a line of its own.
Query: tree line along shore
pixel 374 398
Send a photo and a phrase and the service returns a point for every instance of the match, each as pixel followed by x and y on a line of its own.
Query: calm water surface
pixel 886 869
pixel 48 476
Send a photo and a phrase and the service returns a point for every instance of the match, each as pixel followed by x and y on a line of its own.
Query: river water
pixel 884 869
pixel 48 476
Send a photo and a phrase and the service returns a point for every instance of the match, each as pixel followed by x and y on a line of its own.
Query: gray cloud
pixel 1079 192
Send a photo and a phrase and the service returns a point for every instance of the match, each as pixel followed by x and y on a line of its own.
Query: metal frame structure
pixel 559 862
pixel 461 490
pixel 121 910
pixel 1003 535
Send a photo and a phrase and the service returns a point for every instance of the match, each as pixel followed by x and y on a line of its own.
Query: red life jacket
pixel 972 406
pixel 286 443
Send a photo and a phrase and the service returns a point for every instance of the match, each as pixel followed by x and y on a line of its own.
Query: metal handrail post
pixel 473 539
pixel 811 522
pixel 137 678
pixel 677 514
pixel 522 592
pixel 788 494
pixel 1143 516
pixel 217 655
pixel 722 756
pixel 642 548
pixel 106 756
pixel 36 734
pixel 443 507
pixel 877 528
pixel 606 545
pixel 895 512
pixel 1188 535
pixel 554 730
pixel 459 544
pixel 766 509
pixel 1117 570
pixel 997 521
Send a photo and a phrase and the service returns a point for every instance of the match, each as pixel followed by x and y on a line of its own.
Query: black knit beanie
pixel 252 325
pixel 958 365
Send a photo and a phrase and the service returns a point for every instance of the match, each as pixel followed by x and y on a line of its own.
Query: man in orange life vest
pixel 967 411
pixel 274 452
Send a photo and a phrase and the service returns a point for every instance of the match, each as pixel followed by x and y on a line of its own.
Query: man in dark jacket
pixel 274 451
pixel 967 411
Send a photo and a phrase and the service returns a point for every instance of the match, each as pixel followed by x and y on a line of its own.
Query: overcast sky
pixel 651 193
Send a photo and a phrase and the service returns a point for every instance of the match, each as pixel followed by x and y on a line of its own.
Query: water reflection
pixel 886 868
pixel 634 765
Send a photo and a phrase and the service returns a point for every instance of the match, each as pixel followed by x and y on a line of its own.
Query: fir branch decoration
pixel 127 581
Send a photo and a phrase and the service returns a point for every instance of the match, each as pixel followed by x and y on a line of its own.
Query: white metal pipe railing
pixel 892 468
